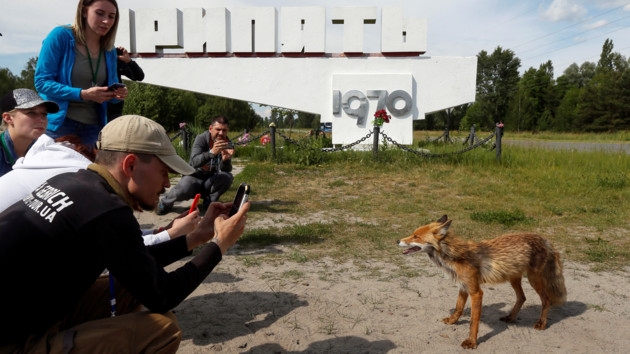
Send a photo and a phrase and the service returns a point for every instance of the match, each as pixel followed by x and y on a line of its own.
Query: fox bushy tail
pixel 554 280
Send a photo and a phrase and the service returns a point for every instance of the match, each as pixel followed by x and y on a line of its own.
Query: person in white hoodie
pixel 47 158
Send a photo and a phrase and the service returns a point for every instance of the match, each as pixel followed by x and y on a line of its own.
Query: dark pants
pixel 209 188
pixel 88 328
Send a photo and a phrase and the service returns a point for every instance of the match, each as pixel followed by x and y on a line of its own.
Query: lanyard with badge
pixel 98 64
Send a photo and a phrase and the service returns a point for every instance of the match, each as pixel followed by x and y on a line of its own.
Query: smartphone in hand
pixel 242 196
pixel 116 86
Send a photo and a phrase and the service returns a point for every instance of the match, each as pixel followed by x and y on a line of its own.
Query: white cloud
pixel 596 24
pixel 564 10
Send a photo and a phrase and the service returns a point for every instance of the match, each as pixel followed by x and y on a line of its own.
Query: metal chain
pixel 438 138
pixel 341 148
pixel 387 138
pixel 255 138
pixel 403 147
pixel 181 131
pixel 289 140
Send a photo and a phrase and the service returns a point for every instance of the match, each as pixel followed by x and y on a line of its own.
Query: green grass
pixel 578 200
pixel 620 136
pixel 503 217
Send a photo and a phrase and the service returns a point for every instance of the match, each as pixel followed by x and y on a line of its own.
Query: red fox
pixel 502 259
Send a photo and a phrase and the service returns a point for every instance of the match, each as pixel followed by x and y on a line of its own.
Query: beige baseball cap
pixel 137 134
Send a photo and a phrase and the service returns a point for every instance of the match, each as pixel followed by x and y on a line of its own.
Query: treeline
pixel 170 107
pixel 591 97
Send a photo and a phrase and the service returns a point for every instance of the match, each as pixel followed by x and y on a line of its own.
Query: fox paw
pixel 469 344
pixel 450 320
pixel 540 325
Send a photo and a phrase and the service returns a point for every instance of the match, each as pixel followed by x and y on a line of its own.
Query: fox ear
pixel 442 219
pixel 443 229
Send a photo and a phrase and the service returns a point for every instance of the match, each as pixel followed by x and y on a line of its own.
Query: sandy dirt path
pixel 250 306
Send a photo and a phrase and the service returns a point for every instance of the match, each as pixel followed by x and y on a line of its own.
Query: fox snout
pixel 409 250
pixel 404 241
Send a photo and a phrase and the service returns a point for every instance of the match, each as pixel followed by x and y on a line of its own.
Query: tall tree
pixel 307 120
pixel 450 118
pixel 605 101
pixel 535 102
pixel 27 77
pixel 8 81
pixel 240 113
pixel 497 77
pixel 566 113
pixel 578 76
pixel 606 57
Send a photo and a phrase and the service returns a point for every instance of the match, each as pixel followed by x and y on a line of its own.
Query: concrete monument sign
pixel 234 53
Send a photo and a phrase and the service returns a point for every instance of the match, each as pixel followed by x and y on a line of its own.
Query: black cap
pixel 24 99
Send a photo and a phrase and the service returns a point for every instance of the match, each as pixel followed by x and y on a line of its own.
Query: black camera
pixel 119 51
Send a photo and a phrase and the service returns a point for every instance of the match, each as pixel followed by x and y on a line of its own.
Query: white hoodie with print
pixel 44 160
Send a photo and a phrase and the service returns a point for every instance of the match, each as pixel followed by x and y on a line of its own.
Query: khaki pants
pixel 89 328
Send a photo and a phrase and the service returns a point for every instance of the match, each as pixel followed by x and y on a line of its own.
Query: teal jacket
pixel 54 71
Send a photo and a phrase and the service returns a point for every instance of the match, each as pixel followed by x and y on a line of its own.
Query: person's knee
pixel 224 182
pixel 139 332
pixel 185 189
pixel 167 334
pixel 226 178
pixel 171 326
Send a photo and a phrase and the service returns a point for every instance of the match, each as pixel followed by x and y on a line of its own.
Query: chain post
pixel 472 135
pixel 498 135
pixel 185 138
pixel 272 129
pixel 377 131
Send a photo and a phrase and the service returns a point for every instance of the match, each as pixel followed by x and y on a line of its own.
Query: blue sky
pixel 563 31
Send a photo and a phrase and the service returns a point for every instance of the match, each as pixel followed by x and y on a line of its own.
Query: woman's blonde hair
pixel 108 40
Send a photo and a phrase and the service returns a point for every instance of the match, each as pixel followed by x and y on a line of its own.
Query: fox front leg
pixel 459 308
pixel 476 296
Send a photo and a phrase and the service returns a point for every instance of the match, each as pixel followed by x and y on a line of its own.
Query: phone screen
pixel 113 87
pixel 242 195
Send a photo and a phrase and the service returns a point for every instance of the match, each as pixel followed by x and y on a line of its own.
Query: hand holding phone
pixel 194 203
pixel 116 86
pixel 242 196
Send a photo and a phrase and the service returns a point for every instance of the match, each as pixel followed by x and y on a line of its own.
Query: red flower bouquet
pixel 381 117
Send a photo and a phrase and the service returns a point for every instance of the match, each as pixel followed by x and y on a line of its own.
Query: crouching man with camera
pixel 211 156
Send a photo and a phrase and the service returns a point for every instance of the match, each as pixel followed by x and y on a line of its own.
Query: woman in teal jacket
pixel 75 67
